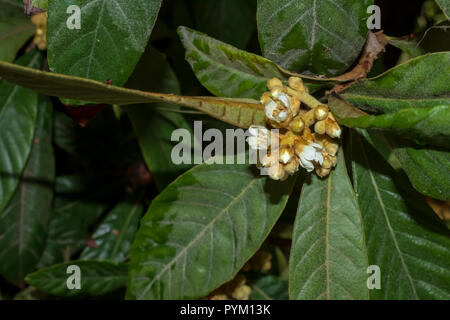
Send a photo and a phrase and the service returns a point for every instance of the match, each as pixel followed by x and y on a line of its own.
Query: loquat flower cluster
pixel 308 132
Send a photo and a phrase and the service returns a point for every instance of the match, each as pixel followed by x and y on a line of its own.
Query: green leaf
pixel 154 125
pixel 238 112
pixel 427 169
pixel 115 234
pixel 16 136
pixel 404 237
pixel 422 82
pixel 269 288
pixel 445 6
pixel 227 71
pixel 232 21
pixel 43 4
pixel 97 278
pixel 111 38
pixel 15 28
pixel 78 204
pixel 328 254
pixel 211 219
pixel 324 37
pixel 24 222
pixel 428 125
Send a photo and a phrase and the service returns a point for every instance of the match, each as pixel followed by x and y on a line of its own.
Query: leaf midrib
pixel 197 237
pixel 124 228
pixel 327 238
pixel 219 63
pixel 388 223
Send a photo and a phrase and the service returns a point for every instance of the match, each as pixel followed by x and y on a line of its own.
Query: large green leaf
pixel 324 36
pixel 78 204
pixel 239 112
pixel 24 222
pixel 269 288
pixel 154 125
pixel 445 6
pixel 18 110
pixel 227 71
pixel 427 169
pixel 111 38
pixel 428 125
pixel 404 237
pixel 328 254
pixel 15 28
pixel 201 230
pixel 232 21
pixel 97 278
pixel 422 82
pixel 113 237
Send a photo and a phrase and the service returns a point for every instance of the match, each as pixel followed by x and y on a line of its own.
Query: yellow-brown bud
pixel 295 106
pixel 266 97
pixel 322 172
pixel 308 118
pixel 321 112
pixel 292 167
pixel 297 125
pixel 296 83
pixel 286 155
pixel 332 128
pixel 319 127
pixel 274 83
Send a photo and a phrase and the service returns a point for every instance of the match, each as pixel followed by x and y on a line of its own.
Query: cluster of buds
pixel 40 21
pixel 308 132
pixel 236 289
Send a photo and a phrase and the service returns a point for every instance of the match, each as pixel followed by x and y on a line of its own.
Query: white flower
pixel 259 138
pixel 285 100
pixel 270 109
pixel 310 153
pixel 278 112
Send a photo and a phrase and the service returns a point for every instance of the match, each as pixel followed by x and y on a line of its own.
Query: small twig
pixel 428 30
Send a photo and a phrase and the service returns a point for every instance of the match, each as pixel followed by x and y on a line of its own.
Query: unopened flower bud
pixel 330 145
pixel 296 83
pixel 332 128
pixel 277 172
pixel 321 113
pixel 297 125
pixel 319 127
pixel 295 106
pixel 327 163
pixel 265 98
pixel 286 155
pixel 242 293
pixel 273 83
pixel 292 166
pixel 322 172
pixel 288 140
